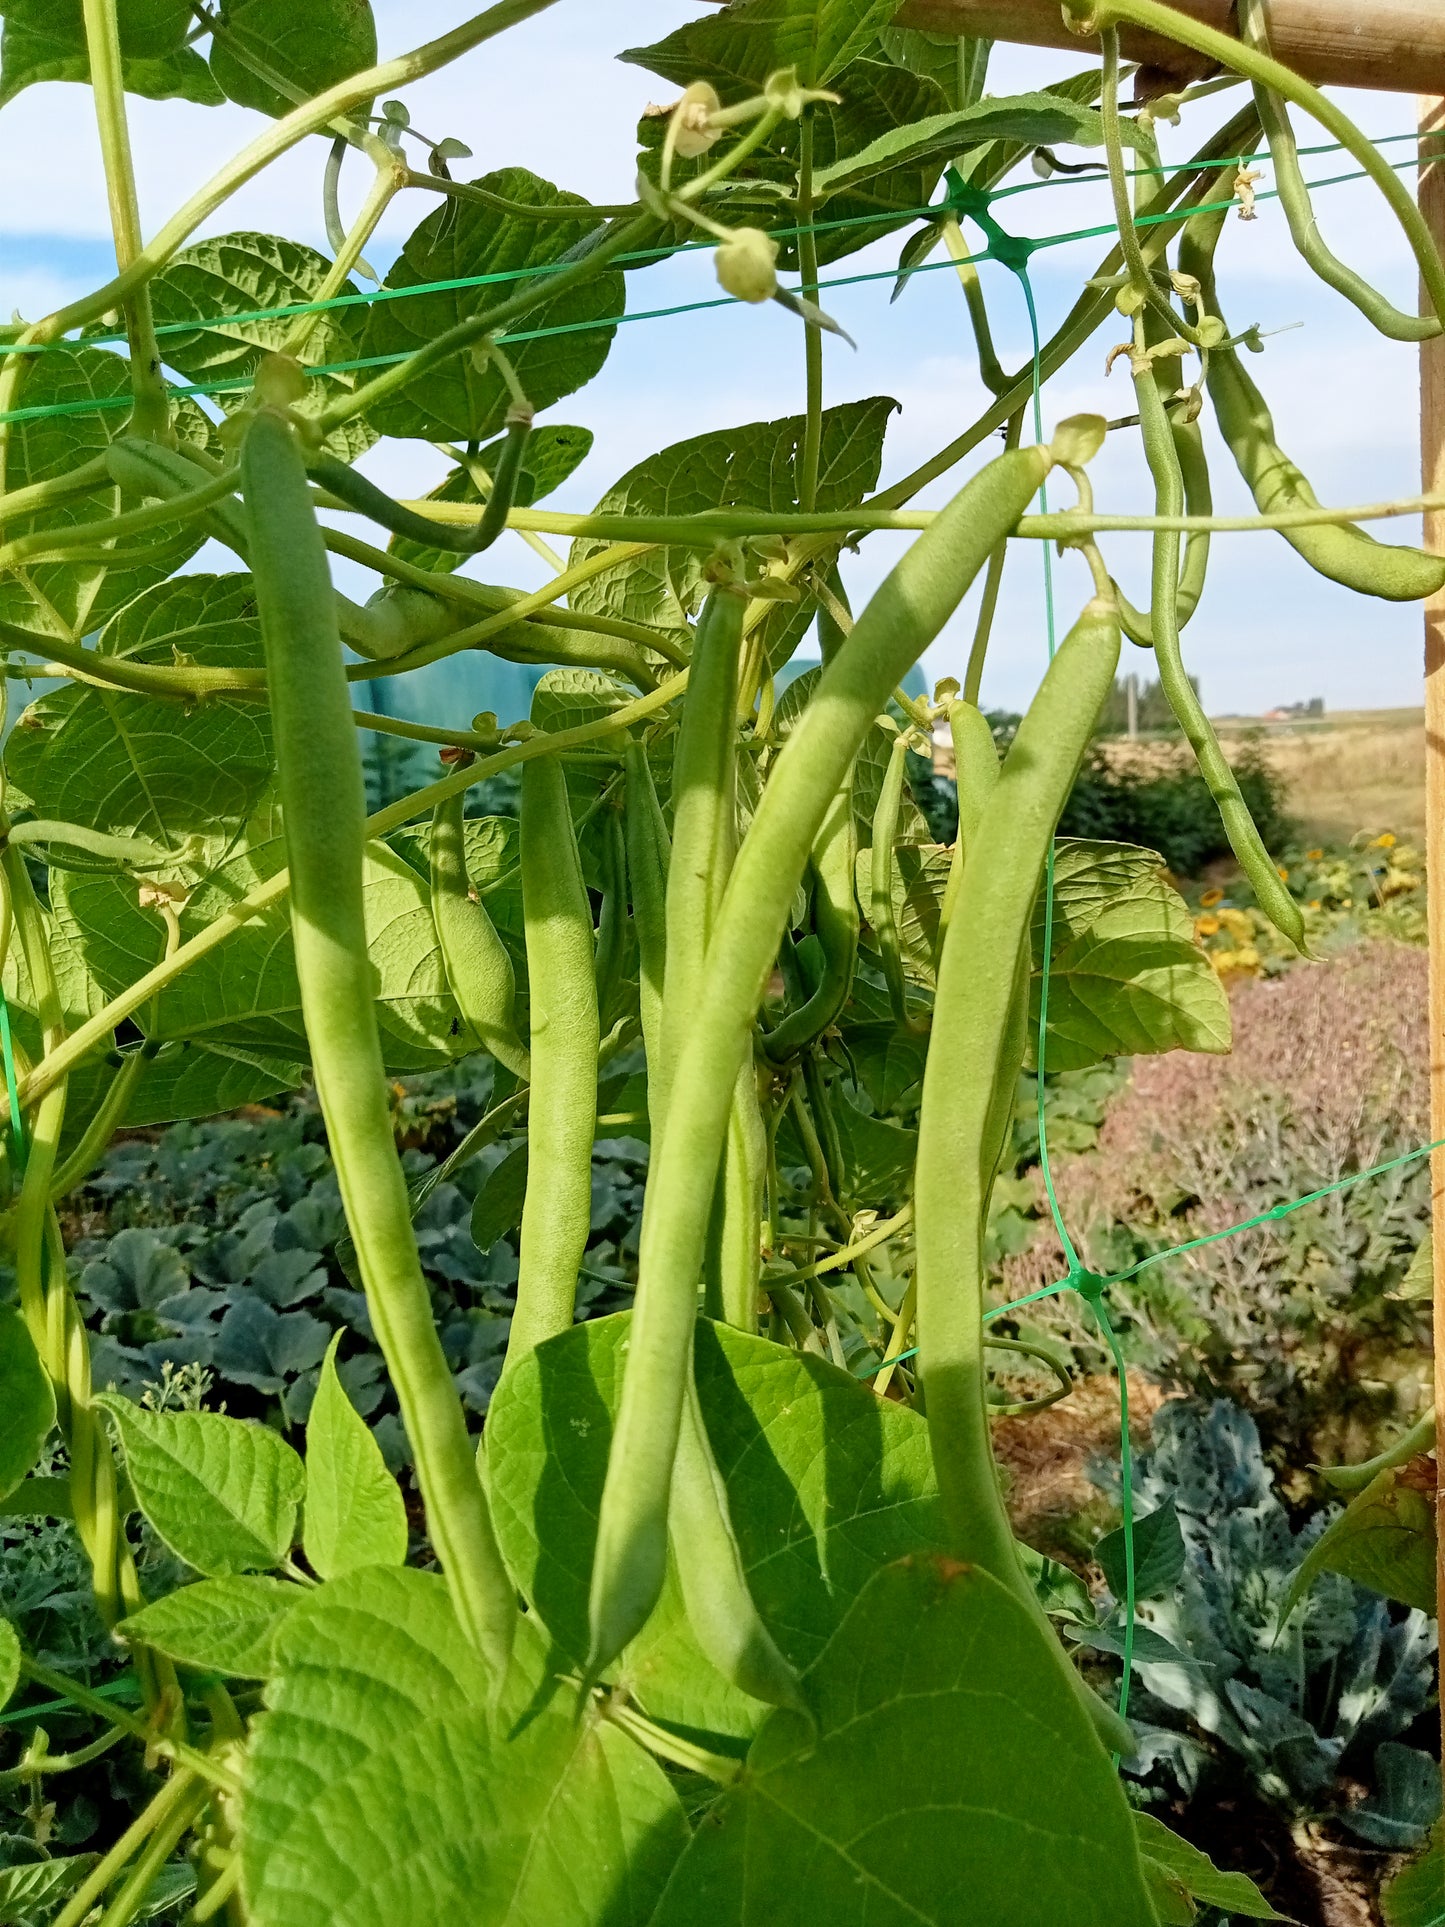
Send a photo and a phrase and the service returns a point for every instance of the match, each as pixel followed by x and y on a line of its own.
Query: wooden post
pixel 1432 448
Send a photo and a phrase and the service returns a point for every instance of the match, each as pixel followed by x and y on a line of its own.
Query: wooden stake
pixel 1432 448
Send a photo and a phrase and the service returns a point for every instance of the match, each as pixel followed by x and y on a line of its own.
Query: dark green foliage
pixel 1165 805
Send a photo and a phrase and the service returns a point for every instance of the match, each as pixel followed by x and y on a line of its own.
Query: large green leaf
pixel 753 466
pixel 40 449
pixel 1036 120
pixel 825 1483
pixel 244 994
pixel 27 1402
pixel 1179 1874
pixel 126 764
pixel 1126 978
pixel 355 1514
pixel 30 1890
pixel 313 44
pixel 9 1661
pixel 45 40
pixel 238 275
pixel 196 1080
pixel 954 1779
pixel 739 46
pixel 1384 1539
pixel 949 60
pixel 224 1626
pixel 382 1785
pixel 1416 1895
pixel 553 450
pixel 221 1492
pixel 467 399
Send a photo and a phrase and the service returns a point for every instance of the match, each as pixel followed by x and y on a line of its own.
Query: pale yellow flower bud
pixel 746 264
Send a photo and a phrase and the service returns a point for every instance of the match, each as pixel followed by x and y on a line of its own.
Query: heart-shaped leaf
pixel 355 1514
pixel 221 1625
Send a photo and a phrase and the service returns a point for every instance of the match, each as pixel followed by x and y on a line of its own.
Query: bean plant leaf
pixel 229 279
pixel 497 1207
pixel 223 1626
pixel 9 1661
pixel 355 1514
pixel 30 1889
pixel 1416 1895
pixel 947 59
pixel 825 1484
pixel 195 1080
pixel 96 387
pixel 221 1492
pixel 1384 1539
pixel 1158 1555
pixel 754 466
pixel 1126 977
pixel 1035 120
pixel 27 1401
pixel 45 40
pixel 1178 1872
pixel 132 766
pixel 943 1717
pixel 737 48
pixel 553 450
pixel 382 1784
pixel 465 398
pixel 311 44
pixel 244 995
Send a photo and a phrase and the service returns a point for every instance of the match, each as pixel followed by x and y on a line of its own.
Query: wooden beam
pixel 1393 44
pixel 1432 451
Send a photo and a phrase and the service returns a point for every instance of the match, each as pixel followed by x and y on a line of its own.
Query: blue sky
pixel 550 96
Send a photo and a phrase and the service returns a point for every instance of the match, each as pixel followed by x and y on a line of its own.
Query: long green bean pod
pixel 353 489
pixel 975 769
pixel 1342 553
pixel 704 814
pixel 1138 625
pixel 1299 213
pixel 478 967
pixel 648 850
pixel 1239 826
pixel 881 870
pixel 833 861
pixel 720 1608
pixel 612 919
pixel 323 807
pixel 565 1034
pixel 903 617
pixel 732 1262
pixel 974 1012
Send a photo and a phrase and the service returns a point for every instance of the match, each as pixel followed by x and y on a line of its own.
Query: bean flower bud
pixel 746 264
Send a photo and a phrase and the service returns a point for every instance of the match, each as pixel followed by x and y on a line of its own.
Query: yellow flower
pixel 1385 842
pixel 1284 876
pixel 1206 926
pixel 1314 856
pixel 1316 904
pixel 1210 898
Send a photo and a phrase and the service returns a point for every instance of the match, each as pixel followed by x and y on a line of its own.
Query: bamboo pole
pixel 1393 44
pixel 1432 450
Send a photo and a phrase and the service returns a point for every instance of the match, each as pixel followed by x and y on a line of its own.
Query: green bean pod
pixel 833 861
pixel 704 814
pixel 565 1036
pixel 881 913
pixel 324 809
pixel 1341 553
pixel 1239 826
pixel 975 768
pixel 356 492
pixel 611 955
pixel 648 849
pixel 903 617
pixel 732 1262
pixel 478 968
pixel 974 1021
pixel 1138 625
pixel 720 1608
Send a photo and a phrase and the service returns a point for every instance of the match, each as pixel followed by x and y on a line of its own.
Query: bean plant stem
pixel 811 452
